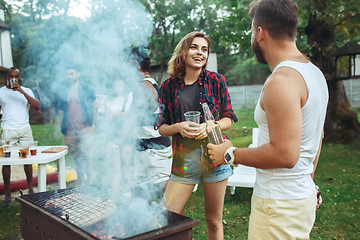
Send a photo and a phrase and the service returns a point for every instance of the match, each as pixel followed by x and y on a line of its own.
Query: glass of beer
pixel 24 149
pixel 33 148
pixel 23 152
pixel 2 142
pixel 192 117
pixel 1 151
pixel 7 151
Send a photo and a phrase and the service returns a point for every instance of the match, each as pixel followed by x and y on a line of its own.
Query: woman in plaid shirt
pixel 189 85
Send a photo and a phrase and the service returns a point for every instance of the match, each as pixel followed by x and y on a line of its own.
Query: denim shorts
pixel 195 173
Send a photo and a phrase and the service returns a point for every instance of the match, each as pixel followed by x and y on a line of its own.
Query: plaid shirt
pixel 213 90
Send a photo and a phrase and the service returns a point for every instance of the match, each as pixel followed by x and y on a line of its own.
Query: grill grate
pixel 40 215
pixel 87 205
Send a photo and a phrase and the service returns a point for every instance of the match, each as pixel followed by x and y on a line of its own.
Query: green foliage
pixel 33 47
pixel 226 22
pixel 236 28
pixel 229 27
pixel 218 18
pixel 327 30
pixel 169 18
pixel 247 71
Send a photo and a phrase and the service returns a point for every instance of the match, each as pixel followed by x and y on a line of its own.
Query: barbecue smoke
pixel 100 48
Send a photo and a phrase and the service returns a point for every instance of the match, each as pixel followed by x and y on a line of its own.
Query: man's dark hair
pixel 12 68
pixel 15 68
pixel 142 57
pixel 278 17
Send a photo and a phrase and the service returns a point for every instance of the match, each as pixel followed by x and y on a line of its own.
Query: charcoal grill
pixel 79 213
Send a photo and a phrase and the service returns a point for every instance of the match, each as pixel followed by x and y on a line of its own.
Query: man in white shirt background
pixel 15 101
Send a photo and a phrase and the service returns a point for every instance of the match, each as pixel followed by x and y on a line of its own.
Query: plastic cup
pixel 23 149
pixel 7 151
pixel 192 116
pixel 12 81
pixel 24 152
pixel 33 148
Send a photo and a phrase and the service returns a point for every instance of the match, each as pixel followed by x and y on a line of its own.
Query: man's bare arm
pixel 283 96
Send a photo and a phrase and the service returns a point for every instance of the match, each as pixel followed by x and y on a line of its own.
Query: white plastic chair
pixel 244 176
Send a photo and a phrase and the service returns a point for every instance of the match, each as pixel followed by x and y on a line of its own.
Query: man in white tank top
pixel 290 113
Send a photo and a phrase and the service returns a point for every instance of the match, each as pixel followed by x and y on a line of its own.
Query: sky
pixel 80 8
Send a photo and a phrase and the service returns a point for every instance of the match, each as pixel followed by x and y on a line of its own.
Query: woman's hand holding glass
pixel 192 130
pixel 201 131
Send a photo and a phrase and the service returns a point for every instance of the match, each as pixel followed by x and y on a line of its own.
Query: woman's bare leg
pixel 176 195
pixel 214 194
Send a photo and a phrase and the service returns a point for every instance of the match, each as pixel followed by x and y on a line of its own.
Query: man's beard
pixel 259 56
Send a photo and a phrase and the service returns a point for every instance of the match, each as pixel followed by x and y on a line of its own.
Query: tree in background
pixel 225 21
pixel 222 20
pixel 325 31
pixel 324 26
pixel 174 19
pixel 30 22
pixel 241 67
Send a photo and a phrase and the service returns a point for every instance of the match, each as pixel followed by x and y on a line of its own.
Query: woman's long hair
pixel 176 65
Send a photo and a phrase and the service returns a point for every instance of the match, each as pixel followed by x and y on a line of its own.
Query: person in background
pixel 189 85
pixel 15 101
pixel 153 148
pixel 290 113
pixel 113 113
pixel 76 119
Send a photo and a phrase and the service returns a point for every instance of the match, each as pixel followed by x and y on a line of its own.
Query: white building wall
pixel 6 59
pixel 6 54
pixel 357 66
pixel 212 62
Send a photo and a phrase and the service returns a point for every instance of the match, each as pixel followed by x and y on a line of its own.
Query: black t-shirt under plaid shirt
pixel 213 90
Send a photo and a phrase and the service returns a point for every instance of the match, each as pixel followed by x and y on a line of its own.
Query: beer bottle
pixel 213 130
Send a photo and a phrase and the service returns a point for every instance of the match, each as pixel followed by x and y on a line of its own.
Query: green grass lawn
pixel 337 175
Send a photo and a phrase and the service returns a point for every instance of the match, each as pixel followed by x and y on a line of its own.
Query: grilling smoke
pixel 99 48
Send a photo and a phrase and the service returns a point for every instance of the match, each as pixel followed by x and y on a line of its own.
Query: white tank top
pixel 296 183
pixel 146 132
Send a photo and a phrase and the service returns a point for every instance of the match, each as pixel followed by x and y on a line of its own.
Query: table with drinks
pixel 29 153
